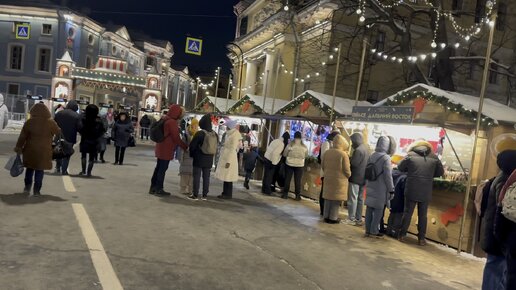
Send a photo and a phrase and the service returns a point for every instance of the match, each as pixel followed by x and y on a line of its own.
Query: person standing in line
pixel 325 146
pixel 250 158
pixel 295 154
pixel 227 168
pixel 279 173
pixel 103 140
pixel 357 180
pixel 121 132
pixel 145 123
pixel 165 150
pixel 421 166
pixel 380 186
pixel 4 114
pixel 336 167
pixel 203 159
pixel 186 161
pixel 496 270
pixel 35 145
pixel 91 130
pixel 505 229
pixel 273 156
pixel 70 123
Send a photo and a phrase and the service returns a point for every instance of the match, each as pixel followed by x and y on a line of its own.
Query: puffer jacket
pixel 378 191
pixel 295 154
pixel 199 158
pixel 336 167
pixel 358 159
pixel 421 166
pixel 122 131
pixel 165 150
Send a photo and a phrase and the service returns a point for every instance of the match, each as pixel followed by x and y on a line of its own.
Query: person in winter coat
pixel 185 161
pixel 336 167
pixel 397 204
pixel 328 144
pixel 421 166
pixel 505 229
pixel 496 271
pixel 381 190
pixel 35 145
pixel 271 161
pixel 4 114
pixel 121 132
pixel 145 123
pixel 202 163
pixel 227 168
pixel 164 151
pixel 295 155
pixel 357 179
pixel 103 140
pixel 250 158
pixel 91 130
pixel 70 123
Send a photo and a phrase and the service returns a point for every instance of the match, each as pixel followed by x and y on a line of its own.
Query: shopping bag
pixel 15 165
pixel 131 142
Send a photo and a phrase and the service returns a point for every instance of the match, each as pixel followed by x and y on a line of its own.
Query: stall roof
pixel 343 106
pixel 491 109
pixel 221 103
pixel 258 102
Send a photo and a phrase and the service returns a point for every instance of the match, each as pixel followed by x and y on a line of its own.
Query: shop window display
pixel 313 134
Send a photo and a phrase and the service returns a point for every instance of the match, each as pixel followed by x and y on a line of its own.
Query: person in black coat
pixel 496 271
pixel 70 123
pixel 397 204
pixel 121 133
pixel 250 158
pixel 92 129
pixel 145 124
pixel 202 163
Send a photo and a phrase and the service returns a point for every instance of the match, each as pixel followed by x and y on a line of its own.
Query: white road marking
pixel 103 267
pixel 68 184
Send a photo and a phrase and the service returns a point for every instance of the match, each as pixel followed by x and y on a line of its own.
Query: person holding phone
pixel 227 167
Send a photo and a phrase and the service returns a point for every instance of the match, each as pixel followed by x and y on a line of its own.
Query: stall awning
pixel 311 104
pixel 466 105
pixel 108 77
pixel 207 105
pixel 254 105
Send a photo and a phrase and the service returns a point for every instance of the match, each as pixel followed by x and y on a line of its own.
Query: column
pixel 270 72
pixel 250 77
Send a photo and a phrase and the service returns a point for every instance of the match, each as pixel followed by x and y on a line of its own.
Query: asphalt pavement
pixel 107 232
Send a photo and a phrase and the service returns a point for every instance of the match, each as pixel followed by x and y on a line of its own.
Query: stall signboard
pixel 36 98
pixel 83 102
pixel 61 100
pixel 402 115
pixel 147 110
pixel 103 105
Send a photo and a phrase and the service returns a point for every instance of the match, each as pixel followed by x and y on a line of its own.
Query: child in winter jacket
pixel 397 204
pixel 250 158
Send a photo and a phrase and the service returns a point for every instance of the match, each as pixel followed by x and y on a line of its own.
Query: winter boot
pixel 37 189
pixel 27 188
pixel 90 168
pixel 83 163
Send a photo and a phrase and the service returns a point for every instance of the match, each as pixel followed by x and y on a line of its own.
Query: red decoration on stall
pixel 318 181
pixel 452 214
pixel 442 133
pixel 305 106
pixel 419 105
pixel 246 106
pixel 214 120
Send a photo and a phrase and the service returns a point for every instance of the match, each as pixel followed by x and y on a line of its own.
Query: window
pixel 47 29
pixel 480 10
pixel 43 61
pixel 243 26
pixel 41 91
pixel 91 40
pixel 88 62
pixel 113 49
pixel 502 15
pixel 493 72
pixel 372 96
pixel 150 61
pixel 16 57
pixel 13 89
pixel 380 41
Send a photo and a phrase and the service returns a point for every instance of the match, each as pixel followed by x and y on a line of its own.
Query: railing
pixel 16 116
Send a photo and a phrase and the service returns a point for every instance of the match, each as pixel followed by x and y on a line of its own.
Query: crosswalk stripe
pixel 68 184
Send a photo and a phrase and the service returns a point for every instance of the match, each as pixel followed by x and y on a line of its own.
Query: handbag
pixel 15 165
pixel 61 148
pixel 131 142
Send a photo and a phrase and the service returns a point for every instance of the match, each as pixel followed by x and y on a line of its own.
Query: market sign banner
pixel 403 115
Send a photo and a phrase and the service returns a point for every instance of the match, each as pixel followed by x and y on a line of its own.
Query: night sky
pixel 215 31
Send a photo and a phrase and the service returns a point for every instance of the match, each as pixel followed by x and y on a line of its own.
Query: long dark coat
pixel 121 132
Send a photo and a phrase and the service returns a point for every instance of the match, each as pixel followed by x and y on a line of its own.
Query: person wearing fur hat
pixel 336 167
pixel 381 190
pixel 295 154
pixel 35 145
pixel 271 161
pixel 421 166
pixel 122 131
pixel 227 167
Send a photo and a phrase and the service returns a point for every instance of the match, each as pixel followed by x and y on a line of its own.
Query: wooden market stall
pixel 447 120
pixel 207 105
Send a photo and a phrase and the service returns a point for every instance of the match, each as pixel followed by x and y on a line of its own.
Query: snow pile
pixel 343 106
pixel 221 103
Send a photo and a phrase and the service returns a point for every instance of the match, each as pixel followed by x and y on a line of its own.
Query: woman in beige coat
pixel 336 168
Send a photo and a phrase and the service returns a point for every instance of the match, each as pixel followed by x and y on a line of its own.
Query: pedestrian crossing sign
pixel 23 31
pixel 193 46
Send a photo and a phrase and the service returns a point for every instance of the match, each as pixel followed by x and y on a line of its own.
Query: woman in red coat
pixel 165 150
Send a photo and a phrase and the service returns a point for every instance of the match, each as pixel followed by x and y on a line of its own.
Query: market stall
pixel 309 113
pixel 446 120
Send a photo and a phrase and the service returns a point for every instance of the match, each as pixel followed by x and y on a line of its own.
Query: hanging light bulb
pixel 400 60
pixel 385 56
pixel 433 45
pixel 467 37
pixel 434 55
pixel 331 56
pixel 393 58
pixel 478 30
pixel 457 45
pixel 336 49
pixel 307 76
pixel 422 57
pixel 443 45
pixel 359 11
pixel 323 63
pixel 286 71
pixel 317 74
pixel 361 19
pixel 373 50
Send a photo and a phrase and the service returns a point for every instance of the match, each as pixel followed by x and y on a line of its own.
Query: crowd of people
pixel 392 182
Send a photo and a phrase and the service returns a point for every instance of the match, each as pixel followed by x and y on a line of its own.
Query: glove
pixel 391 195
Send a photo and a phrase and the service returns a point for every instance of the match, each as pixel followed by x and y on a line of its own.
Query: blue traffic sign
pixel 193 46
pixel 23 31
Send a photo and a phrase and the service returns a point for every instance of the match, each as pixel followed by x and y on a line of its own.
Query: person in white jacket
pixel 295 153
pixel 272 159
pixel 4 113
pixel 227 167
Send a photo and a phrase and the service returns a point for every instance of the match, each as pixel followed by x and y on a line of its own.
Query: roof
pixel 268 109
pixel 221 103
pixel 491 108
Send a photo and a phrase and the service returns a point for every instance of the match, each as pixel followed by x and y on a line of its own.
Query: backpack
pixel 157 131
pixel 210 143
pixel 371 173
pixel 509 203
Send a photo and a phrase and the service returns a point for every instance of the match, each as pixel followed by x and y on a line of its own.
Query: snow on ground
pixel 13 127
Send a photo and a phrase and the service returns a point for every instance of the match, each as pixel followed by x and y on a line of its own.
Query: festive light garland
pixel 404 97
